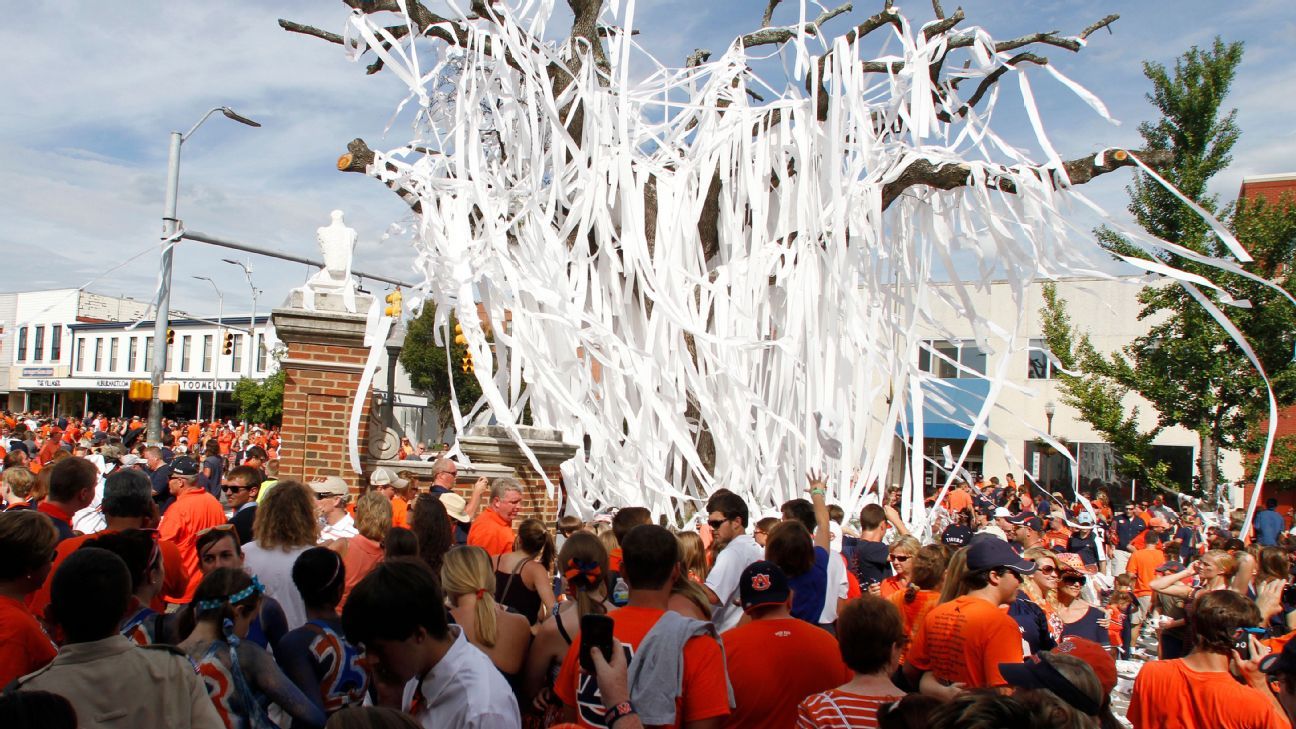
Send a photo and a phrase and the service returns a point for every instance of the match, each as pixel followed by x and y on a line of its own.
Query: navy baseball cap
pixel 184 466
pixel 762 583
pixel 991 552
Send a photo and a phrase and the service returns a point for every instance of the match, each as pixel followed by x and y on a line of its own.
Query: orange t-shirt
pixel 362 555
pixel 774 665
pixel 957 500
pixel 1142 564
pixel 704 695
pixel 614 560
pixel 193 511
pixel 400 512
pixel 1169 695
pixel 914 612
pixel 1140 541
pixel 839 709
pixel 175 581
pixel 24 647
pixel 892 585
pixel 490 532
pixel 194 431
pixel 965 640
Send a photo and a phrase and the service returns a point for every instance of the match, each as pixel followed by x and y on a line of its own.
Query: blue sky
pixel 93 89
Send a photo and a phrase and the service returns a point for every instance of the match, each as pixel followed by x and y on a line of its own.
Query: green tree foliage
pixel 425 361
pixel 1187 366
pixel 261 402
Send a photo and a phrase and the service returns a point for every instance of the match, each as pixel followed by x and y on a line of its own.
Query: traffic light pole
pixel 163 318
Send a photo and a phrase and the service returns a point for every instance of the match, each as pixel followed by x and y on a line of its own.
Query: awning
pixel 941 431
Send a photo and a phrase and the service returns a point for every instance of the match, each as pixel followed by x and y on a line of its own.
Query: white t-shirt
pixel 343 529
pixel 464 689
pixel 838 587
pixel 274 568
pixel 724 576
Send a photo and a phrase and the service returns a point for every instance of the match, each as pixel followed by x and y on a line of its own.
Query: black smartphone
pixel 1289 594
pixel 595 632
pixel 1242 643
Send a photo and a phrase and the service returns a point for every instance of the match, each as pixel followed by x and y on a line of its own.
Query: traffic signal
pixel 229 343
pixel 170 336
pixel 394 303
pixel 459 338
pixel 466 363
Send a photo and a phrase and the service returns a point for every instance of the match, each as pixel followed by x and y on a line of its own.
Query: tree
pixel 260 402
pixel 425 361
pixel 1187 365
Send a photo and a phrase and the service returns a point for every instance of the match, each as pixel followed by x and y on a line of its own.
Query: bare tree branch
pixel 359 158
pixel 1104 23
pixel 943 25
pixel 768 17
pixel 698 57
pixel 940 12
pixel 769 36
pixel 951 176
pixel 292 27
pixel 990 80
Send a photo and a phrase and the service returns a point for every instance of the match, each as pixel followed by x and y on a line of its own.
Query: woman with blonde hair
pixel 363 552
pixel 901 555
pixel 469 584
pixel 955 571
pixel 523 577
pixel 923 591
pixel 1036 607
pixel 693 555
pixel 285 526
pixel 583 565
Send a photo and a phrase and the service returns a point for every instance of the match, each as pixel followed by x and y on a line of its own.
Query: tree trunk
pixel 1208 464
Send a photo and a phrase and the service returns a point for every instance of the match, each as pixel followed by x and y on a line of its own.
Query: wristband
pixel 816 492
pixel 617 713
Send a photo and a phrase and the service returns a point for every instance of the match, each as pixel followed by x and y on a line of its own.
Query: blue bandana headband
pixel 255 588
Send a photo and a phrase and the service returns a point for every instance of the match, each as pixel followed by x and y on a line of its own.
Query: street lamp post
pixel 220 324
pixel 253 350
pixel 1050 409
pixel 169 225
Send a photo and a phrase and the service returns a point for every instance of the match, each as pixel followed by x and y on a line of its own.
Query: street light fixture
pixel 255 350
pixel 220 324
pixel 169 225
pixel 1050 409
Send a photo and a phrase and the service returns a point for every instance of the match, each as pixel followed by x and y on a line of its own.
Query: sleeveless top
pixel 237 703
pixel 1087 627
pixel 144 627
pixel 512 592
pixel 343 680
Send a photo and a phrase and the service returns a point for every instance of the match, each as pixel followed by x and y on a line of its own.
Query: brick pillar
pixel 323 365
pixel 491 444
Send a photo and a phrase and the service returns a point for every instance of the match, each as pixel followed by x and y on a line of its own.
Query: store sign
pixel 38 372
pixel 91 383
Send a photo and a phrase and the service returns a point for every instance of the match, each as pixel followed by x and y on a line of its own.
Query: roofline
pixel 1280 177
pixel 148 324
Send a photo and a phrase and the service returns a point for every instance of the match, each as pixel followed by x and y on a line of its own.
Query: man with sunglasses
pixel 240 486
pixel 727 516
pixel 962 642
pixel 1126 527
pixel 193 511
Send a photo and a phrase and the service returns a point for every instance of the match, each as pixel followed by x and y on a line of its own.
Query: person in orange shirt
pixel 395 489
pixel 1143 565
pixel 26 539
pixel 959 498
pixel 903 550
pixel 622 522
pixel 493 530
pixel 1198 691
pixel 193 512
pixel 650 567
pixel 127 504
pixel 193 432
pixel 923 591
pixel 964 641
pixel 775 661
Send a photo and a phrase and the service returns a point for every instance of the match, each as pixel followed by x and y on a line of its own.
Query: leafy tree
pixel 1187 366
pixel 261 402
pixel 425 361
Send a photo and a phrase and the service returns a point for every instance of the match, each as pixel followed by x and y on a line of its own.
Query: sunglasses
pixel 900 558
pixel 1074 579
pixel 235 489
pixel 716 523
pixel 1048 570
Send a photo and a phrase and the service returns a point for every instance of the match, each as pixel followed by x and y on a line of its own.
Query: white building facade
pixel 1030 404
pixel 102 358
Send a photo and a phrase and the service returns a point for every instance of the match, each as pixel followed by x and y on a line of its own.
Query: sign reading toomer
pixel 93 383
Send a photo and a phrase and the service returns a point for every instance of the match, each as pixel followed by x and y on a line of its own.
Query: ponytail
pixel 487 628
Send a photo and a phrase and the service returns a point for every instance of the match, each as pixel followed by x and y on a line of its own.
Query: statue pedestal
pixel 325 359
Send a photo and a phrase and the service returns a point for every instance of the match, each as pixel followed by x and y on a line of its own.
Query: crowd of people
pixel 188 584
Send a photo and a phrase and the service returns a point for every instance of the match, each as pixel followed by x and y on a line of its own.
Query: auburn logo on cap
pixel 760 582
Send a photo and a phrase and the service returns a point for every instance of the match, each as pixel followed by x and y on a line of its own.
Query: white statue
pixel 337 244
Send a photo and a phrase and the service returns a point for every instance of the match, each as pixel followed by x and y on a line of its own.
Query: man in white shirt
pixel 331 497
pixel 727 516
pixel 397 614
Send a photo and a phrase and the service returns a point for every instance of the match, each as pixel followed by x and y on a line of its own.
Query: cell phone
pixel 1242 643
pixel 1289 594
pixel 595 632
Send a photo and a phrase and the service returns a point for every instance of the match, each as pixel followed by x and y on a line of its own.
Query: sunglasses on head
pixel 218 528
